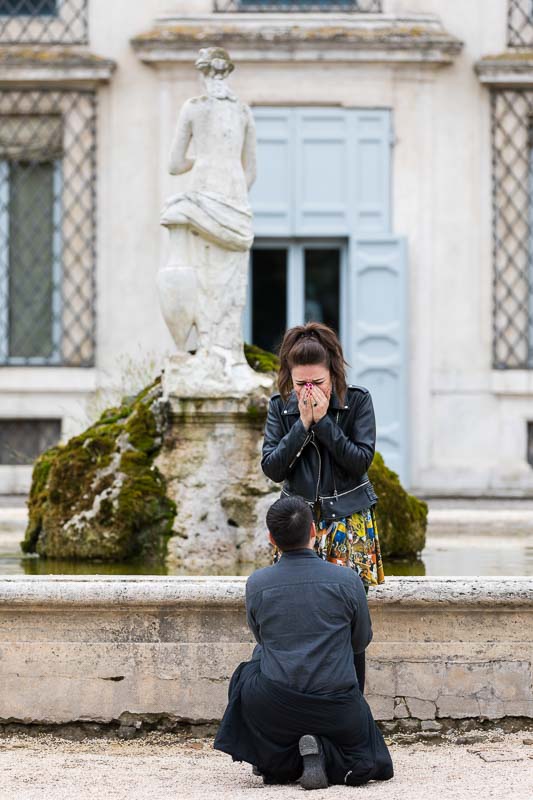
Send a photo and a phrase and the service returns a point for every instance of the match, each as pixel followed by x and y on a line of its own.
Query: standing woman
pixel 320 438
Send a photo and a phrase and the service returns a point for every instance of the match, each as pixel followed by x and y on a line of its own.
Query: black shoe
pixel 314 774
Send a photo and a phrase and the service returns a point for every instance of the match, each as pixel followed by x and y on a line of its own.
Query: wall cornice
pixel 510 69
pixel 53 66
pixel 364 38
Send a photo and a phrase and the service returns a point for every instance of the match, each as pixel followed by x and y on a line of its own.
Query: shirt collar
pixel 306 552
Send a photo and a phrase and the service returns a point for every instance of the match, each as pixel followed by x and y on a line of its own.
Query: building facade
pixel 393 201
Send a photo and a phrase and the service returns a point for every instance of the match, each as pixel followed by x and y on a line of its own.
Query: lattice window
pixel 512 165
pixel 352 6
pixel 520 23
pixel 43 21
pixel 22 440
pixel 47 227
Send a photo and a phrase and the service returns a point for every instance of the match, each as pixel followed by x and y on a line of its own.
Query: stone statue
pixel 202 288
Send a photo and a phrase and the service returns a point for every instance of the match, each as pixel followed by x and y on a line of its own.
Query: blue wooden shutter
pixel 323 171
pixel 371 135
pixel 377 340
pixel 271 196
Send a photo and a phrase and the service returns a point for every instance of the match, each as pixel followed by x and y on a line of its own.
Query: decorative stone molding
pixel 53 66
pixel 228 591
pixel 510 69
pixel 413 39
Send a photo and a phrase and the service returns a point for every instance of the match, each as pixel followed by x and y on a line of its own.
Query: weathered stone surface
pixel 97 648
pixel 211 460
pixel 419 39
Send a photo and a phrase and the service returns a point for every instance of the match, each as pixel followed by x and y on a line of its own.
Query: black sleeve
pixel 361 623
pixel 250 615
pixel 280 450
pixel 355 452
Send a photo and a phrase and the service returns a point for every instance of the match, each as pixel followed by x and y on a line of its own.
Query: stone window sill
pixel 74 380
pixel 512 382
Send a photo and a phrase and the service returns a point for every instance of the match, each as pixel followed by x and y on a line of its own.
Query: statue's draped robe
pixel 210 215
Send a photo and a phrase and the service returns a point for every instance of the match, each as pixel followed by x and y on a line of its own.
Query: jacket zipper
pixel 308 436
pixel 341 494
pixel 319 464
pixel 334 482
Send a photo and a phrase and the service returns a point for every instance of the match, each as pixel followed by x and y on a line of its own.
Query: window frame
pixel 295 7
pixel 69 25
pixel 57 275
pixel 37 14
pixel 295 299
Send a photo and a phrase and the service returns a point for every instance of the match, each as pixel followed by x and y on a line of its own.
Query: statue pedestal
pixel 214 375
pixel 211 461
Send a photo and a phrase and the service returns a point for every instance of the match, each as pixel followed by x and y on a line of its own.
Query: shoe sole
pixel 314 775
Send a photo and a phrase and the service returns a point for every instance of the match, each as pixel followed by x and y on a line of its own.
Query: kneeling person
pixel 295 710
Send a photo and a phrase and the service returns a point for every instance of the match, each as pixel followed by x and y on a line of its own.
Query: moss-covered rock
pixel 261 360
pixel 401 517
pixel 100 496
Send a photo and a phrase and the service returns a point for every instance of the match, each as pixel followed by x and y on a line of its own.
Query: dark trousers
pixel 265 720
pixel 360 664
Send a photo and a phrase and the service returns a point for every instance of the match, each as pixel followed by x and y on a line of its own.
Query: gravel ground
pixel 163 766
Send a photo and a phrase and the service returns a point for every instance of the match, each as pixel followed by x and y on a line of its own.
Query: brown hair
pixel 312 343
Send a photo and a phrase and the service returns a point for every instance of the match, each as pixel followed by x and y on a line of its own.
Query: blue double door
pixel 324 250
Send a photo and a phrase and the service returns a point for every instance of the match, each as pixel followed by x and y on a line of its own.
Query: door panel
pixel 377 343
pixel 321 178
pixel 271 195
pixel 372 135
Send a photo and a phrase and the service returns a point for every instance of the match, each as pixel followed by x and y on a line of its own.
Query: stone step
pixel 13 521
pixel 476 521
pixel 13 518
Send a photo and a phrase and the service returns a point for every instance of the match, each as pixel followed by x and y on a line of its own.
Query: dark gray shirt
pixel 309 617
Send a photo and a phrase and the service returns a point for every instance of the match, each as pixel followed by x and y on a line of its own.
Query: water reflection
pixel 33 565
pixel 463 555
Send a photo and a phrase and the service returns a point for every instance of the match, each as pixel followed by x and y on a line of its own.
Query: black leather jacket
pixel 329 462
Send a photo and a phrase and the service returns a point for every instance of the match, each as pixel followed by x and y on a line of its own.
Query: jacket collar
pixel 300 552
pixel 291 406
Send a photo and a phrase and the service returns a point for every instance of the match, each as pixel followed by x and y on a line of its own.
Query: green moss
pixel 100 496
pixel 261 360
pixel 401 517
pixel 142 430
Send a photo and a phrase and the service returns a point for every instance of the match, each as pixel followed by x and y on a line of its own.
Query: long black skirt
pixel 264 721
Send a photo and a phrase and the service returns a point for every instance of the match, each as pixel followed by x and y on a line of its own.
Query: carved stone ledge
pixel 53 66
pixel 414 39
pixel 510 69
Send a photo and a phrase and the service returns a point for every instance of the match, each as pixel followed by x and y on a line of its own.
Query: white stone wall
pixel 467 423
pixel 109 648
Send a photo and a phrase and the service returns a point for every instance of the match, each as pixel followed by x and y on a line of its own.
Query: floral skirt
pixel 351 542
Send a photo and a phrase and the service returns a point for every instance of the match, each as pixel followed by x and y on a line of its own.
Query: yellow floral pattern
pixel 351 542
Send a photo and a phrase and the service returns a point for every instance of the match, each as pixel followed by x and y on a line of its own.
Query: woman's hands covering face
pixel 319 402
pixel 313 403
pixel 305 405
